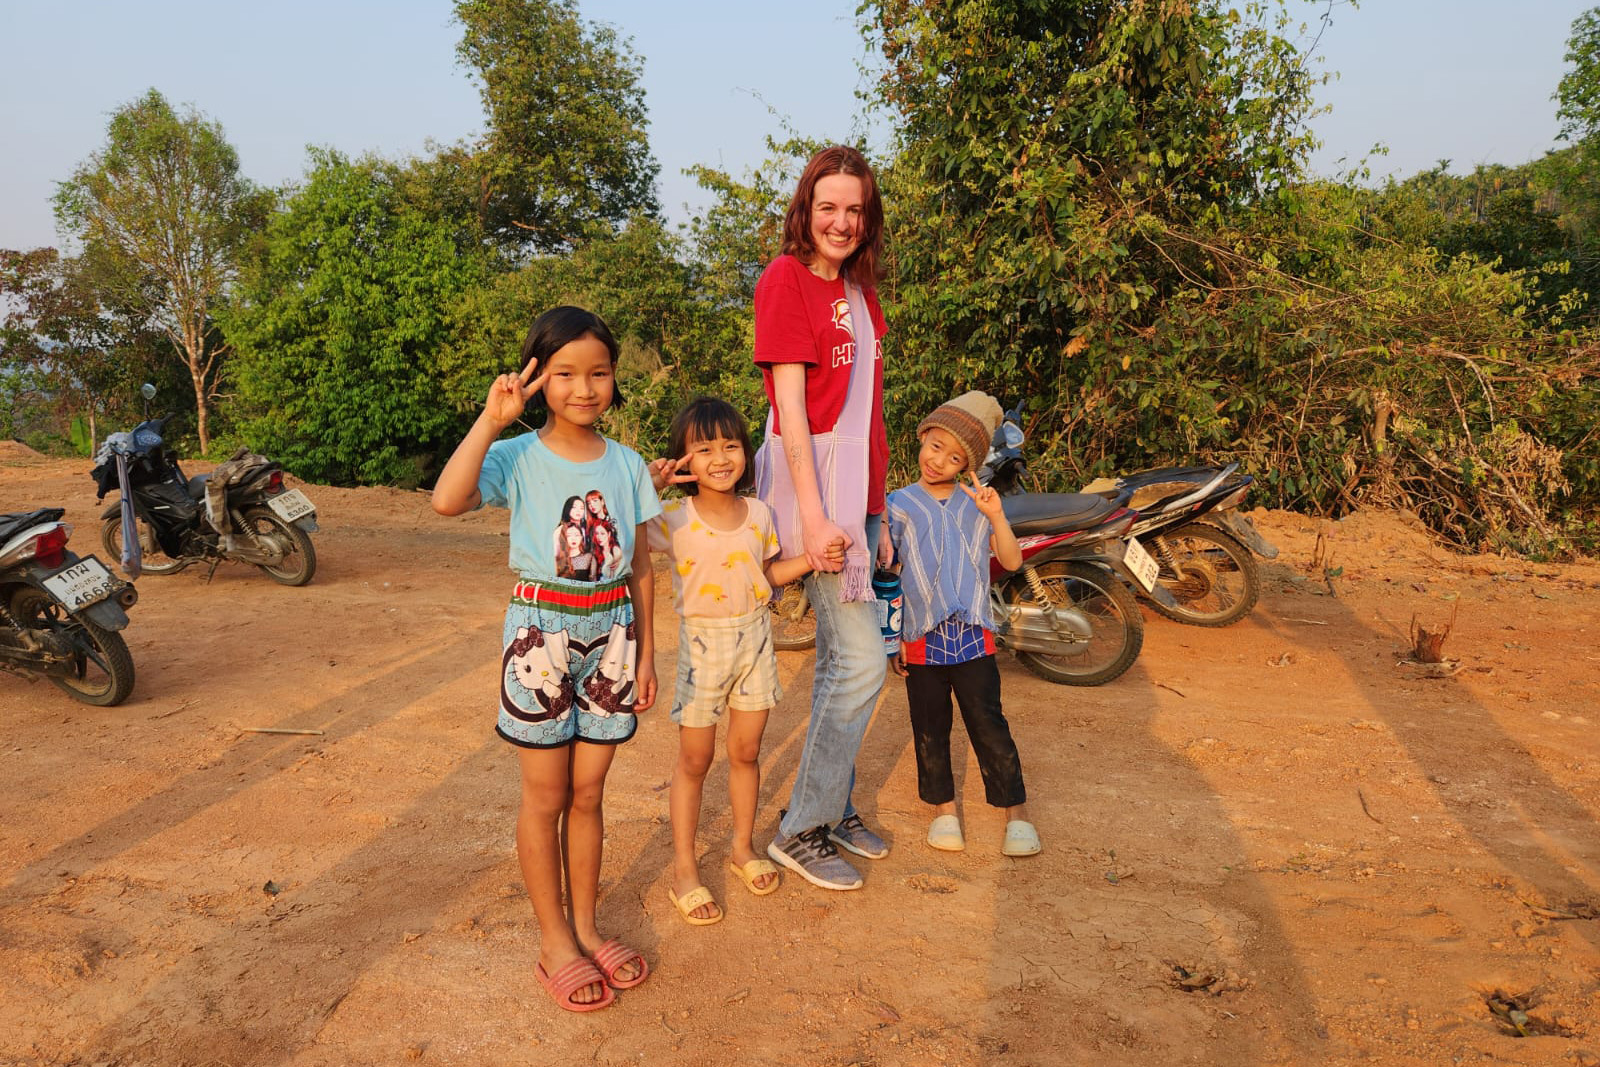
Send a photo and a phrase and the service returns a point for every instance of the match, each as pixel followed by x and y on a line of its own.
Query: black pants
pixel 976 685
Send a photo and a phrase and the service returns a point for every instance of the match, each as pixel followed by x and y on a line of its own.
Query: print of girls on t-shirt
pixel 586 545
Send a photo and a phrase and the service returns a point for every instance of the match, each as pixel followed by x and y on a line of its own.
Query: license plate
pixel 291 505
pixel 1141 563
pixel 82 584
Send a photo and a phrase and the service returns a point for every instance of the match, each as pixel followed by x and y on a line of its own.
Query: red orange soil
pixel 1358 854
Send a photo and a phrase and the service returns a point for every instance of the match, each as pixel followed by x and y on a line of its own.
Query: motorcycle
pixel 1065 613
pixel 60 613
pixel 1207 566
pixel 240 512
pixel 1206 550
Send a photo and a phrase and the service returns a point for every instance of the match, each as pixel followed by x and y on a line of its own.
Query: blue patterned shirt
pixel 943 548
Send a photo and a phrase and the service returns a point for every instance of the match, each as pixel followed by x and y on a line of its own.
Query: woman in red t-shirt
pixel 823 471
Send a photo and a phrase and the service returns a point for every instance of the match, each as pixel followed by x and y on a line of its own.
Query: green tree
pixel 339 325
pixel 567 147
pixel 635 280
pixel 1059 168
pixel 1578 93
pixel 163 213
pixel 1097 206
pixel 63 353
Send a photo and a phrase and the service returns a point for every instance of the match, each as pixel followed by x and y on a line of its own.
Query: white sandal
pixel 1021 839
pixel 945 834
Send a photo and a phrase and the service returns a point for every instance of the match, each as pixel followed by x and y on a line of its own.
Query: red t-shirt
pixel 801 318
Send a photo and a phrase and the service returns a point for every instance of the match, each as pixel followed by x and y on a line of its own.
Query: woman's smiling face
pixel 837 204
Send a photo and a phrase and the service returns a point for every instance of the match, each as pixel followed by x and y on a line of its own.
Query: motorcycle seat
pixel 1194 475
pixel 197 486
pixel 17 521
pixel 1153 491
pixel 1045 513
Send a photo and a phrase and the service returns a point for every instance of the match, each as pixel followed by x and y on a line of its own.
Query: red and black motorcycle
pixel 1065 613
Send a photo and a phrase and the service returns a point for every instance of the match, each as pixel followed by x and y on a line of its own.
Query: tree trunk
pixel 194 351
pixel 200 412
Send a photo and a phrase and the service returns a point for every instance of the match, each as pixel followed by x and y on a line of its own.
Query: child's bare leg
pixel 1017 811
pixel 744 783
pixel 544 775
pixel 696 746
pixel 585 830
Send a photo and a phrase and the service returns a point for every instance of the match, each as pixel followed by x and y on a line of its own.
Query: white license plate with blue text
pixel 291 505
pixel 82 584
pixel 1142 564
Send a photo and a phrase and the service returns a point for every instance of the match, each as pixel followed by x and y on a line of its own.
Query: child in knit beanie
pixel 944 533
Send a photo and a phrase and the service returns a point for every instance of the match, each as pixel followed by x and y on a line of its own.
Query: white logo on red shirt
pixel 845 352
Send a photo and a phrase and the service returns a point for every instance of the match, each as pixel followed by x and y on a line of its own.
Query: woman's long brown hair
pixel 866 263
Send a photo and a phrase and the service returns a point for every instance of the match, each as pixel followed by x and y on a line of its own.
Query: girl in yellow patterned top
pixel 724 551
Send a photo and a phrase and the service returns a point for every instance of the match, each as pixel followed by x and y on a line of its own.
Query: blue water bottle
pixel 891 605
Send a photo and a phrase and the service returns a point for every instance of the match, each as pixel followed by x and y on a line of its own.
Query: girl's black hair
pixel 566 511
pixel 706 418
pixel 559 327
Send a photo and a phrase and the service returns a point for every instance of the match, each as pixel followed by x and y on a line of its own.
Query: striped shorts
pixel 567 670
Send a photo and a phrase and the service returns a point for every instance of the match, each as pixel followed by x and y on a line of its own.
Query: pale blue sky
pixel 1458 79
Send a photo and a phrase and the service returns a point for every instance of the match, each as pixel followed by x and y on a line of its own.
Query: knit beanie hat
pixel 972 418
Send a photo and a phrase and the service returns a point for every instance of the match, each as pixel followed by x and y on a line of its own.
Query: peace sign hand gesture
pixel 987 499
pixel 665 472
pixel 509 395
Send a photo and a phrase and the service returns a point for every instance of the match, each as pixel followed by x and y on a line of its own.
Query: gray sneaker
pixel 812 856
pixel 852 835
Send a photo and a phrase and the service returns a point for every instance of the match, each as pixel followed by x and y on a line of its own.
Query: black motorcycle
pixel 59 613
pixel 241 511
pixel 1188 524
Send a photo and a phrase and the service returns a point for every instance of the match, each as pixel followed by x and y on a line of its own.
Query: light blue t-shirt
pixel 573 522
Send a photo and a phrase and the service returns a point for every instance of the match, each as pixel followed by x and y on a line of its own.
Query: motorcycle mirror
pixel 147 391
pixel 1013 434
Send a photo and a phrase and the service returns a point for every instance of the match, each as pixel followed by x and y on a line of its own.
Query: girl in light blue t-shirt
pixel 578 644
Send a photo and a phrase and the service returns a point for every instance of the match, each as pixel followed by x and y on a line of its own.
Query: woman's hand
pixel 509 395
pixel 825 547
pixel 665 472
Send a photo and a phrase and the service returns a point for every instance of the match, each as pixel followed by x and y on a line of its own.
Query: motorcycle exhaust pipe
pixel 1048 631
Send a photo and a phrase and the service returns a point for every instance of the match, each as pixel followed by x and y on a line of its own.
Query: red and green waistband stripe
pixel 571 597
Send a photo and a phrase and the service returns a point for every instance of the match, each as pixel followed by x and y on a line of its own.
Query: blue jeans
pixel 850 670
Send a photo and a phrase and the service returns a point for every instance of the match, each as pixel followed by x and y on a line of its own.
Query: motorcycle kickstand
pixel 212 573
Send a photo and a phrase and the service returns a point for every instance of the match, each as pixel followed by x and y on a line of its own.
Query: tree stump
pixel 1427 644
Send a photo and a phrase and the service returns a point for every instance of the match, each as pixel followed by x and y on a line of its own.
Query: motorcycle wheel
pixel 1220 580
pixel 1110 609
pixel 102 667
pixel 299 561
pixel 153 560
pixel 794 623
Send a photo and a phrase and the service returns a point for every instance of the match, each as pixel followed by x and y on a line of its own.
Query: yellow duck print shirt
pixel 716 573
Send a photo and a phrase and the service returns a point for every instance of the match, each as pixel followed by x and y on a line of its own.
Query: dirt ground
pixel 1266 844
